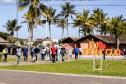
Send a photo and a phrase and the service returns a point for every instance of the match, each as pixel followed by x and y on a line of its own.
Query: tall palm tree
pixel 33 15
pixel 117 27
pixel 99 18
pixel 49 14
pixel 11 27
pixel 67 11
pixel 62 23
pixel 84 22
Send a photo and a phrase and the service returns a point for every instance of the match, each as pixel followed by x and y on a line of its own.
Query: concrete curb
pixel 64 74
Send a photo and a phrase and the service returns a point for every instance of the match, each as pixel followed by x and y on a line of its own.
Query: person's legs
pixel 53 58
pixel 5 57
pixel 76 55
pixel 63 57
pixel 26 57
pixel 18 60
pixel 36 55
pixel 104 56
pixel 31 55
pixel 42 58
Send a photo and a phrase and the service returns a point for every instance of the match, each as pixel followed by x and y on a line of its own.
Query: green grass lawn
pixel 116 68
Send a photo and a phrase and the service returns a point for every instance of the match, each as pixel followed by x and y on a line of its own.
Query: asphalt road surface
pixel 15 77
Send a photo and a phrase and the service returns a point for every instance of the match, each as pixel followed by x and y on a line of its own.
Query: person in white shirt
pixel 18 50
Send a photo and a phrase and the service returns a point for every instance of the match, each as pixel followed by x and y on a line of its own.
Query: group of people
pixel 52 53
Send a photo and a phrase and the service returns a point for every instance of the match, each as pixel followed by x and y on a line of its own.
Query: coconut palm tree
pixel 49 14
pixel 26 3
pixel 104 28
pixel 117 27
pixel 67 11
pixel 11 27
pixel 33 15
pixel 84 22
pixel 99 18
pixel 62 24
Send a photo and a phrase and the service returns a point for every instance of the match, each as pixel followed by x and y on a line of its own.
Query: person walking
pixel 25 53
pixel 5 52
pixel 18 54
pixel 53 53
pixel 76 52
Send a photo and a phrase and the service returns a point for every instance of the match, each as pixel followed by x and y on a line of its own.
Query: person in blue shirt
pixel 76 52
pixel 25 53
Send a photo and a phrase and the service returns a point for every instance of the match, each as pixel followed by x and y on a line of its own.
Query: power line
pixel 109 5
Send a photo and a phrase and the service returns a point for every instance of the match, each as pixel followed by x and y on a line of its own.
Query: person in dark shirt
pixel 36 52
pixel 25 53
pixel 63 53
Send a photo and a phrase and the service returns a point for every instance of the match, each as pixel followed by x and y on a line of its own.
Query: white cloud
pixel 7 1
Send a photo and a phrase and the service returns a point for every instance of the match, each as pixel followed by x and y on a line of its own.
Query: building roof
pixel 69 39
pixel 2 41
pixel 104 38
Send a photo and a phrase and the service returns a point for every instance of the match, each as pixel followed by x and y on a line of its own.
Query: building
pixel 95 43
pixel 69 42
pixel 2 44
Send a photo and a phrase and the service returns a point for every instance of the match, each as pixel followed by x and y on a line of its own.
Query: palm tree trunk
pixel 117 42
pixel 17 16
pixel 67 28
pixel 50 30
pixel 62 34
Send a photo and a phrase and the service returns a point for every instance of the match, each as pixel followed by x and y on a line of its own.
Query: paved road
pixel 14 77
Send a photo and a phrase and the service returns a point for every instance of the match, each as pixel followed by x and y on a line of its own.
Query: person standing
pixel 70 53
pixel 18 50
pixel 63 53
pixel 32 52
pixel 53 53
pixel 43 53
pixel 59 53
pixel 5 52
pixel 48 53
pixel 103 52
pixel 25 53
pixel 36 51
pixel 76 52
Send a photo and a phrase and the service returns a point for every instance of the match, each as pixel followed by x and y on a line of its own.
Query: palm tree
pixel 99 18
pixel 26 3
pixel 62 23
pixel 33 15
pixel 67 11
pixel 84 22
pixel 11 27
pixel 49 14
pixel 104 28
pixel 117 27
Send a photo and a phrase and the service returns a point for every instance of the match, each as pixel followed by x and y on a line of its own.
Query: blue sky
pixel 9 12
